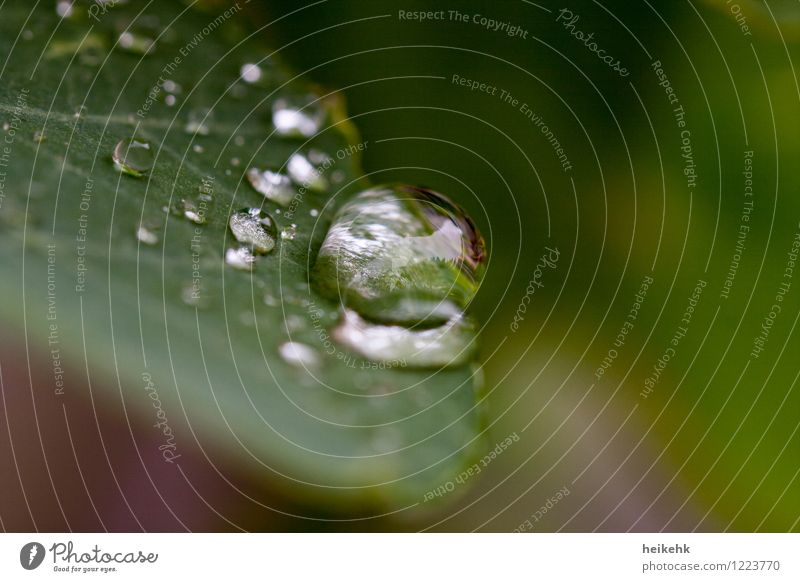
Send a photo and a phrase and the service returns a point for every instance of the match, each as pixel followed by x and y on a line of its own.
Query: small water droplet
pixel 197 148
pixel 297 116
pixel 136 42
pixel 240 258
pixel 39 136
pixel 170 100
pixel 298 354
pixel 239 140
pixel 270 300
pixel 80 112
pixel 314 212
pixel 337 177
pixel 255 228
pixel 235 162
pixel 303 173
pixel 27 35
pixel 146 236
pixel 250 73
pixel 133 157
pixel 289 233
pixel 6 126
pixel 64 8
pixel 272 185
pixel 198 122
pixel 194 211
pixel 171 86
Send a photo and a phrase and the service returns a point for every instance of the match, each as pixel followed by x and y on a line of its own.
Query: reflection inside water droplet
pixel 133 157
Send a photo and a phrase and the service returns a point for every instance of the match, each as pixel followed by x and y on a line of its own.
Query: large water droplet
pixel 297 116
pixel 255 228
pixel 405 263
pixel 133 157
pixel 272 185
pixel 401 255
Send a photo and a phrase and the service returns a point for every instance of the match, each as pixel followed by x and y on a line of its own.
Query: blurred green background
pixel 715 446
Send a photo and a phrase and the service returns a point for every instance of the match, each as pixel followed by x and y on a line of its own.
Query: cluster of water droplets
pixel 402 263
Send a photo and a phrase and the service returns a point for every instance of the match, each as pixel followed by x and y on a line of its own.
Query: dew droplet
pixel 136 42
pixel 298 354
pixel 194 211
pixel 64 8
pixel 272 185
pixel 133 157
pixel 6 126
pixel 240 258
pixel 250 73
pixel 297 116
pixel 235 162
pixel 239 140
pixel 198 122
pixel 289 233
pixel 255 228
pixel 146 236
pixel 197 148
pixel 313 212
pixel 27 34
pixel 39 136
pixel 170 100
pixel 304 174
pixel 171 86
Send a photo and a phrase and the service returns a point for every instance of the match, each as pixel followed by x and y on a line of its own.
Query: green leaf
pixel 86 293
